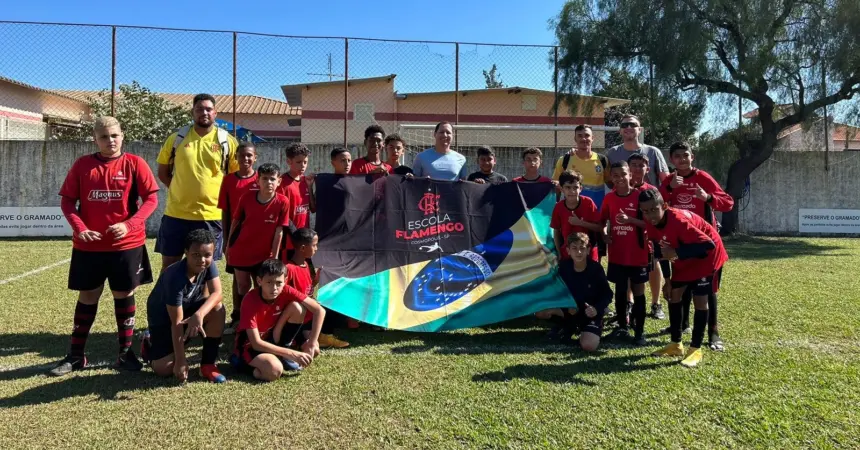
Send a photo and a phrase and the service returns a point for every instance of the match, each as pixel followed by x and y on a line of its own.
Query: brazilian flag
pixel 425 255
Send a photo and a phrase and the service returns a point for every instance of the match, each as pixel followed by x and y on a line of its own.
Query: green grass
pixel 790 311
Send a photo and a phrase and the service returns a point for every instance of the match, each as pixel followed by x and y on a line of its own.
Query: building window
pixel 529 102
pixel 364 113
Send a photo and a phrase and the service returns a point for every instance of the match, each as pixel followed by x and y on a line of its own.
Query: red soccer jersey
pixel 299 193
pixel 256 224
pixel 684 196
pixel 362 166
pixel 645 186
pixel 629 244
pixel 108 191
pixel 684 228
pixel 540 179
pixel 586 210
pixel 301 279
pixel 233 188
pixel 263 315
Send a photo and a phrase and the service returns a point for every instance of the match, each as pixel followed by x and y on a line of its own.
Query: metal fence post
pixel 235 64
pixel 345 88
pixel 113 72
pixel 456 88
pixel 555 105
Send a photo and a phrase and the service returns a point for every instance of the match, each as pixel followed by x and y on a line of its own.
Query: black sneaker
pixel 657 311
pixel 640 341
pixel 620 334
pixel 128 361
pixel 68 365
pixel 715 342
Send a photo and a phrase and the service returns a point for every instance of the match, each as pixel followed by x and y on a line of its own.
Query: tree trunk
pixel 753 154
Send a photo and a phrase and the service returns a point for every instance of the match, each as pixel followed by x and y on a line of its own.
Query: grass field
pixel 790 378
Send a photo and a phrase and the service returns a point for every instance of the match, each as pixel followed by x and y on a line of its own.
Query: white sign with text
pixel 21 221
pixel 842 221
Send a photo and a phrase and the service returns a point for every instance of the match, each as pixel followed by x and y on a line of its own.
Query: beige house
pixel 27 112
pixel 374 100
pixel 814 136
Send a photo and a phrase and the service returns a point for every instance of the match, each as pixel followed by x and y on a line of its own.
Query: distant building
pixel 812 136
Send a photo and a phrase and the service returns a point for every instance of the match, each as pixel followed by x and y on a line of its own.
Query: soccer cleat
pixel 145 345
pixel 331 341
pixel 128 361
pixel 210 372
pixel 67 365
pixel 715 342
pixel 640 341
pixel 230 329
pixel 693 358
pixel 620 333
pixel 290 365
pixel 657 311
pixel 673 349
pixel 687 330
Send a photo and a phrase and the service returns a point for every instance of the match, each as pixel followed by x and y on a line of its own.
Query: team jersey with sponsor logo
pixel 233 188
pixel 108 191
pixel 301 279
pixel 629 245
pixel 586 210
pixel 362 166
pixel 685 228
pixel 299 194
pixel 263 315
pixel 684 196
pixel 256 224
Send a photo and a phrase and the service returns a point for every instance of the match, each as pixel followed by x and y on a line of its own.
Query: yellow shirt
pixel 593 174
pixel 197 175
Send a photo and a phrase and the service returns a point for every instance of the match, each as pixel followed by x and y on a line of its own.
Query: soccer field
pixel 790 378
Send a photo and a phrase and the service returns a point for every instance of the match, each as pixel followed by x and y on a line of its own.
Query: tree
pixel 492 78
pixel 144 115
pixel 668 116
pixel 766 52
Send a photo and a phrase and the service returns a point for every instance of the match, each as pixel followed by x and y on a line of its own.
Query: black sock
pixel 687 301
pixel 712 313
pixel 700 320
pixel 85 315
pixel 124 309
pixel 640 305
pixel 675 313
pixel 569 320
pixel 210 350
pixel 290 332
pixel 237 303
pixel 621 304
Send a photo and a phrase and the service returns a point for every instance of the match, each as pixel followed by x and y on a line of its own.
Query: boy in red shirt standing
pixel 531 162
pixel 629 253
pixel 638 172
pixel 575 213
pixel 107 197
pixel 271 322
pixel 697 255
pixel 258 227
pixel 374 136
pixel 303 277
pixel 297 188
pixel 233 187
pixel 696 191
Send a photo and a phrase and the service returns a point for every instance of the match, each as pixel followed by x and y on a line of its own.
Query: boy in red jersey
pixel 638 173
pixel 575 213
pixel 303 277
pixel 531 163
pixel 233 187
pixel 273 315
pixel 629 253
pixel 258 227
pixel 297 188
pixel 697 254
pixel 374 136
pixel 107 197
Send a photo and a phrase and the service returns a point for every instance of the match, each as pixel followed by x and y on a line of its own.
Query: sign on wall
pixel 843 221
pixel 22 221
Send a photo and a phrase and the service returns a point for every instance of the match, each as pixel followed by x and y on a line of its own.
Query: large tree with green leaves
pixel 766 52
pixel 143 115
pixel 669 115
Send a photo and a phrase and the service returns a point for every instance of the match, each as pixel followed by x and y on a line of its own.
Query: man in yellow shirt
pixel 594 167
pixel 192 163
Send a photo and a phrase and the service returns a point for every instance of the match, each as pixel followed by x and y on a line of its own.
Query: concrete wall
pixel 31 173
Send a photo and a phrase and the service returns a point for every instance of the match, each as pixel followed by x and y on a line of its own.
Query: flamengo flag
pixel 424 255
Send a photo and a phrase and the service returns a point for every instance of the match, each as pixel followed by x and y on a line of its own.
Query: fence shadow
pixel 107 386
pixel 572 372
pixel 762 248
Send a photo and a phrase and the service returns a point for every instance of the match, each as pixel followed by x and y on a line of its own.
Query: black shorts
pixel 703 286
pixel 592 325
pixel 172 232
pixel 666 268
pixel 250 269
pixel 618 273
pixel 124 270
pixel 161 337
pixel 246 352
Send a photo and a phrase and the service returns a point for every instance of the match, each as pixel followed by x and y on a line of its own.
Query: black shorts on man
pixel 172 232
pixel 124 270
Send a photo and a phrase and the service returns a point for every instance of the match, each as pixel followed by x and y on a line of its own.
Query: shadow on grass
pixel 758 248
pixel 105 386
pixel 570 373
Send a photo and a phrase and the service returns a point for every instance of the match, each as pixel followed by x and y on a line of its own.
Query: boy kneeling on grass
pixel 587 282
pixel 270 338
pixel 185 302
